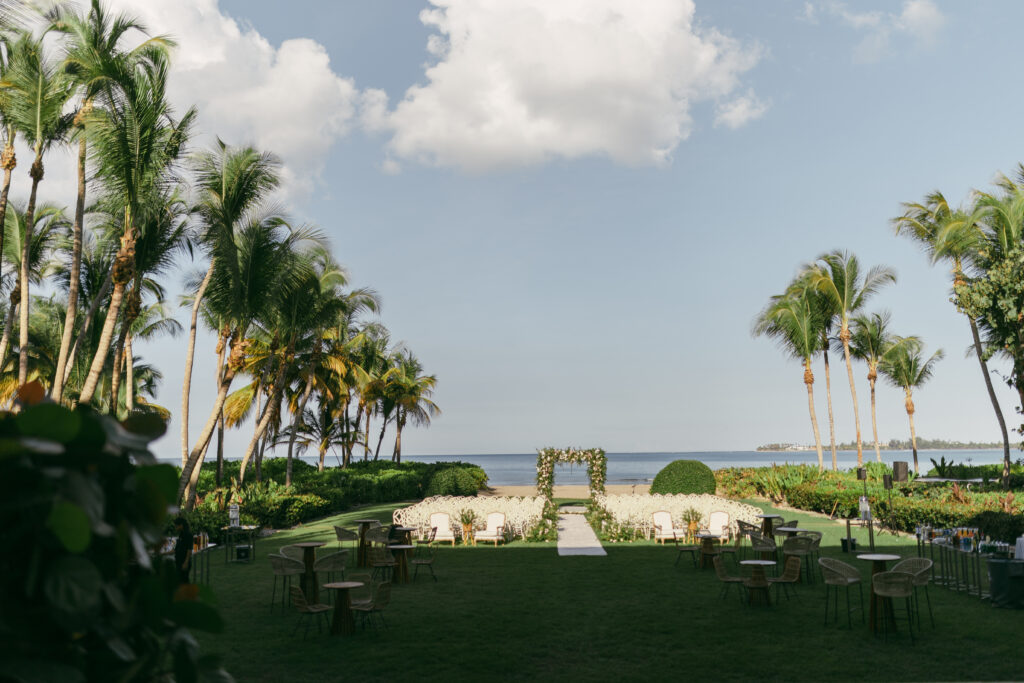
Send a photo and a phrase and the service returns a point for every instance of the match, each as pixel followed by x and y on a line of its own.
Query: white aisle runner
pixel 575 537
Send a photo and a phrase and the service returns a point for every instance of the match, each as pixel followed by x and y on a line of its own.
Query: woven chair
pixel 726 580
pixel 381 598
pixel 332 564
pixel 920 568
pixel 683 547
pixel 294 552
pixel 815 537
pixel 776 522
pixel 382 561
pixel 285 568
pixel 790 576
pixel 424 556
pixel 800 547
pixel 893 585
pixel 442 521
pixel 307 611
pixel 661 522
pixel 761 544
pixel 836 575
pixel 743 530
pixel 364 594
pixel 732 550
pixel 346 535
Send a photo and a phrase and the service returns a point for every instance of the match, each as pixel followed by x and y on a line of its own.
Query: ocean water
pixel 640 468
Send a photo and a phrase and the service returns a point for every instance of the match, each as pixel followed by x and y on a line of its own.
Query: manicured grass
pixel 522 613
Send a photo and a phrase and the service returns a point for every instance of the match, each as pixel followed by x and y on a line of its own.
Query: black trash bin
pixel 849 544
pixel 1006 583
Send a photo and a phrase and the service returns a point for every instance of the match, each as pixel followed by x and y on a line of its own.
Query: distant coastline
pixel 892 444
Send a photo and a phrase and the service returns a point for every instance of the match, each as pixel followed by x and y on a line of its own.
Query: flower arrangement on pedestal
pixel 594 458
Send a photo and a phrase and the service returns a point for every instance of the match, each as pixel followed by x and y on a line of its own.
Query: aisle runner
pixel 575 537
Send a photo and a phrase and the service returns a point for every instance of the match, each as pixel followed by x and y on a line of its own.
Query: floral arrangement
pixel 594 458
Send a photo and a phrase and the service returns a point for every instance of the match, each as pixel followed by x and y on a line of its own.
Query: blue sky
pixel 572 220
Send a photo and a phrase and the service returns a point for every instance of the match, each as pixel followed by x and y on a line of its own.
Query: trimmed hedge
pixel 684 476
pixel 452 482
pixel 316 494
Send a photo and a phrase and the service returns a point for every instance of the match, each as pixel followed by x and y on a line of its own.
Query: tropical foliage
pixel 298 351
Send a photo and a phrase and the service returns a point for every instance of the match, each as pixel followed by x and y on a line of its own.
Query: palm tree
pixel 231 183
pixel 8 160
pixel 250 270
pixel 903 365
pixel 794 321
pixel 955 236
pixel 135 144
pixel 49 223
pixel 38 91
pixel 837 276
pixel 411 397
pixel 94 61
pixel 868 340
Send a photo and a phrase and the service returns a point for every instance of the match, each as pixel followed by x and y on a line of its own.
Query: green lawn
pixel 522 613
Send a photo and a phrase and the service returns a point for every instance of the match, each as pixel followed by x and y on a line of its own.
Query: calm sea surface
pixel 520 469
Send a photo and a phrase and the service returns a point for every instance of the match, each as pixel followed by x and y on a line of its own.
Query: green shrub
pixel 999 525
pixel 684 476
pixel 452 482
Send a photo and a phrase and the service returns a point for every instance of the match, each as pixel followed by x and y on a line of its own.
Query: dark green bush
pixel 684 476
pixel 452 482
pixel 999 525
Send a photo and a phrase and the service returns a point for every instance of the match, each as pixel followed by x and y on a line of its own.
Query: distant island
pixel 892 444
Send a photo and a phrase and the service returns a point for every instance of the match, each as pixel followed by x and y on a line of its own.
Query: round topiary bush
pixel 684 476
pixel 452 482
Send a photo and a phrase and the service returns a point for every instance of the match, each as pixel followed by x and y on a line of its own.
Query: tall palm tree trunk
pixel 258 431
pixel 366 439
pixel 346 434
pixel 909 403
pixel 57 391
pixel 831 416
pixel 9 161
pixel 115 375
pixel 83 328
pixel 190 473
pixel 122 272
pixel 301 409
pixel 872 376
pixel 809 381
pixel 380 439
pixel 397 455
pixel 190 354
pixel 36 171
pixel 129 376
pixel 995 401
pixel 844 336
pixel 220 449
pixel 259 458
pixel 5 342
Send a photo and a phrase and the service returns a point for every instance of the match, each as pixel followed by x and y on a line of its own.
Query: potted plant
pixel 468 518
pixel 692 518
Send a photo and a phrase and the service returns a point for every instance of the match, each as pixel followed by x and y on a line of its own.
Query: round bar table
pixel 407 530
pixel 707 548
pixel 364 525
pixel 402 561
pixel 766 524
pixel 343 624
pixel 757 581
pixel 308 580
pixel 790 530
pixel 878 561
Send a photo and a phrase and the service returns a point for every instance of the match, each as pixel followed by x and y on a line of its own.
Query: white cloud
pixel 738 111
pixel 286 100
pixel 521 83
pixel 919 20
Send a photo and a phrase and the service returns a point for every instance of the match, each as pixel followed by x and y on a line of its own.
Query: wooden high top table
pixel 878 561
pixel 343 624
pixel 364 525
pixel 707 548
pixel 766 524
pixel 308 582
pixel 401 561
pixel 758 581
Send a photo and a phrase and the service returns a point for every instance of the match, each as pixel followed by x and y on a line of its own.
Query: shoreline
pixel 566 490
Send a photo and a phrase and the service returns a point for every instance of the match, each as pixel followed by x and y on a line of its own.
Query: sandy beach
pixel 579 491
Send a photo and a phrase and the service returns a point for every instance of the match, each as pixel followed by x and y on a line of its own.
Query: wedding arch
pixel 593 458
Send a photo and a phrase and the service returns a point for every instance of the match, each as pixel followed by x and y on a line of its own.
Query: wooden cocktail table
pixel 343 624
pixel 308 580
pixel 878 561
pixel 757 584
